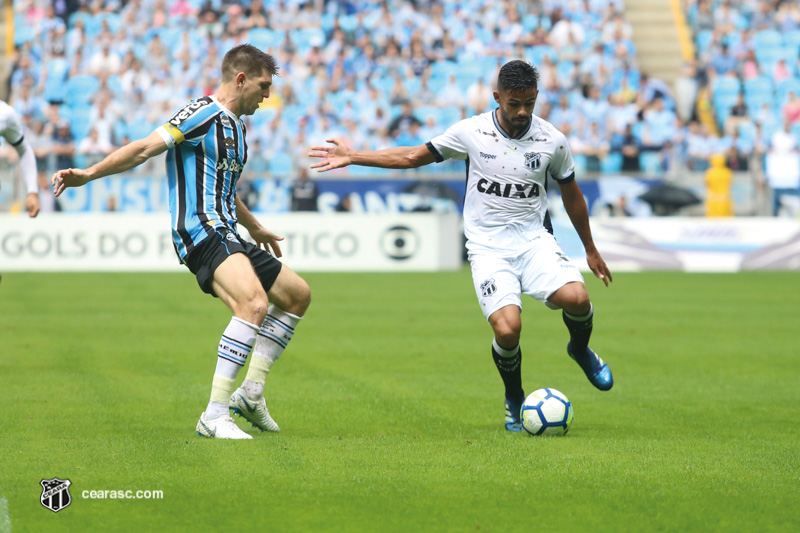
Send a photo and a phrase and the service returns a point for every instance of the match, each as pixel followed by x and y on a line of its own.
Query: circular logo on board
pixel 400 243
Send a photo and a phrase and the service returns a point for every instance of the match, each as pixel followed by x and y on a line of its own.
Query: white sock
pixel 275 333
pixel 234 347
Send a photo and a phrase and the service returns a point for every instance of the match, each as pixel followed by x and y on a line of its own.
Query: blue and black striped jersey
pixel 207 152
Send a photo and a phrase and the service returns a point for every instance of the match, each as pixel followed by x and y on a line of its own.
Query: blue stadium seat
pixel 79 121
pixel 139 130
pixel 534 54
pixel 726 85
pixel 758 86
pixel 263 38
pixel 281 165
pixel 564 69
pixel 611 163
pixel 792 39
pixel 80 90
pixel 767 39
pixel 782 89
pixel 580 163
pixel 530 22
pixel 650 162
pixel 703 39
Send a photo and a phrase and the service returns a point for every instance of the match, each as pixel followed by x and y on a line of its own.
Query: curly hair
pixel 517 75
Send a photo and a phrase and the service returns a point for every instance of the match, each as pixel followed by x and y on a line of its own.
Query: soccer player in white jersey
pixel 12 131
pixel 509 154
pixel 206 152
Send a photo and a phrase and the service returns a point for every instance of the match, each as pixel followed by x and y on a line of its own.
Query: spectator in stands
pixel 725 17
pixel 595 147
pixel 737 150
pixel 660 125
pixel 783 167
pixel 63 145
pixel 788 17
pixel 304 191
pixel 93 148
pixel 403 121
pixel 699 147
pixel 780 71
pixel 627 144
pixel 739 114
pixel 105 61
pixel 791 109
pixel 478 96
pixel 724 62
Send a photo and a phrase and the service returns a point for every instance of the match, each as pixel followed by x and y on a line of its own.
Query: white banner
pixel 313 242
pixel 689 244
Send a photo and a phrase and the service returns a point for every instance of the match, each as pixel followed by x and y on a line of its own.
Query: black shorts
pixel 204 259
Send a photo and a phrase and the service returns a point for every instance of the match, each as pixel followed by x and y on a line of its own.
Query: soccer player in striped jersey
pixel 510 153
pixel 206 153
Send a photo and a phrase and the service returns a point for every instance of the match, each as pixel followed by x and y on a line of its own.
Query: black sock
pixel 580 329
pixel 510 369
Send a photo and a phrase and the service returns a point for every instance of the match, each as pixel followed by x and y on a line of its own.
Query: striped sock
pixel 275 333
pixel 234 347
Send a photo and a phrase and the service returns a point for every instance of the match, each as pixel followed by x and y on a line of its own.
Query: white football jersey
pixel 10 124
pixel 505 205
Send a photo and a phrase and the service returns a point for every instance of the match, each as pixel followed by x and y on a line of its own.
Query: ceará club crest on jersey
pixel 533 160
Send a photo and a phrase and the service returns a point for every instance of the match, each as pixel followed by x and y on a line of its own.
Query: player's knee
pixel 507 334
pixel 578 303
pixel 254 307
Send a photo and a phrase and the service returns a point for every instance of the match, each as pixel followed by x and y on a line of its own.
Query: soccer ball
pixel 546 412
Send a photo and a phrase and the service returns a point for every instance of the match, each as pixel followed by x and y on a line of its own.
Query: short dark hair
pixel 517 75
pixel 248 59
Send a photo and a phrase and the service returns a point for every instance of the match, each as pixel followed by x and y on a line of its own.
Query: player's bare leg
pixel 239 288
pixel 290 297
pixel 578 312
pixel 506 323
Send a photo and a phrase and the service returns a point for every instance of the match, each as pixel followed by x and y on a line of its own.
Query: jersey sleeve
pixel 11 127
pixel 451 144
pixel 562 167
pixel 190 123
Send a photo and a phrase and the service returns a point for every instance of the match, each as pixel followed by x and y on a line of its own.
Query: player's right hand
pixel 336 156
pixel 71 177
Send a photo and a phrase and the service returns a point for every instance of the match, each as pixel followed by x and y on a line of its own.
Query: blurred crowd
pixel 91 75
pixel 747 77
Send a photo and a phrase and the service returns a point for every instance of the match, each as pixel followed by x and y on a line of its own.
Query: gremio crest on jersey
pixel 533 160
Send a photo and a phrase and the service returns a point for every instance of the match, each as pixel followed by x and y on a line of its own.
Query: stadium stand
pixel 349 65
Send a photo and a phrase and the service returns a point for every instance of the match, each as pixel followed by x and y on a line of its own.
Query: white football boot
pixel 222 427
pixel 255 412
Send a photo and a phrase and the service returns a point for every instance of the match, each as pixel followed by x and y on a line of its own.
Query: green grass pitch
pixel 391 409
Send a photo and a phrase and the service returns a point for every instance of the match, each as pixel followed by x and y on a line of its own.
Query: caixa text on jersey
pixel 508 190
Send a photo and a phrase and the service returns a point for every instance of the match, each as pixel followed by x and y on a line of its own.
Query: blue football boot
pixel 513 414
pixel 595 368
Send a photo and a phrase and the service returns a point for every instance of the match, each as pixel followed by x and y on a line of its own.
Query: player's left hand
pixel 32 204
pixel 267 240
pixel 599 266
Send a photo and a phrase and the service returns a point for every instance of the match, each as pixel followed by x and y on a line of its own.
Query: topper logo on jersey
pixel 509 190
pixel 188 111
pixel 229 164
pixel 533 160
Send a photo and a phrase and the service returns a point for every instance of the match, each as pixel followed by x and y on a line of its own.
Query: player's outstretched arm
pixel 340 155
pixel 264 238
pixel 575 205
pixel 125 158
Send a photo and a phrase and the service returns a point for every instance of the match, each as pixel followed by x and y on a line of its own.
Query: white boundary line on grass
pixel 5 516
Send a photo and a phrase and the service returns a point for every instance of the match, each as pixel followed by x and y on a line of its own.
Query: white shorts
pixel 538 272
